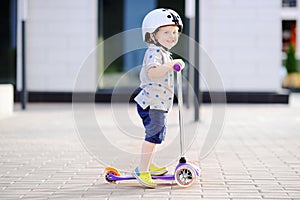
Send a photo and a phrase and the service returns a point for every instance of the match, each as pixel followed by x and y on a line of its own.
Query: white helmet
pixel 160 17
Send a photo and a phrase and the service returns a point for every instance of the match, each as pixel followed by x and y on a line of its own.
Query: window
pixel 289 3
pixel 288 34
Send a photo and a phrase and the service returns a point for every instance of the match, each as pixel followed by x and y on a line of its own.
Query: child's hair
pixel 148 38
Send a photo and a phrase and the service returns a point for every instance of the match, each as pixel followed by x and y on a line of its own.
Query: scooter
pixel 185 173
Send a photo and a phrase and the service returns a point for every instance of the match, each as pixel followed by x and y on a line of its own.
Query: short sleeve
pixel 154 57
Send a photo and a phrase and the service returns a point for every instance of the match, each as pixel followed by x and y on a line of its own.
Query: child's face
pixel 167 36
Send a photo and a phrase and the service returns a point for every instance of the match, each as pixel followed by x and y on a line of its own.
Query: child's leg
pixel 148 150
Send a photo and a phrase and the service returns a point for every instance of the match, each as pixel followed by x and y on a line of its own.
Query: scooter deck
pixel 113 177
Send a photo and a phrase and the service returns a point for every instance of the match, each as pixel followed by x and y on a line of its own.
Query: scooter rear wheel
pixel 111 171
pixel 185 175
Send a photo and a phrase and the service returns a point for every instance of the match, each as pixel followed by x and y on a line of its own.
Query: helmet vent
pixel 175 20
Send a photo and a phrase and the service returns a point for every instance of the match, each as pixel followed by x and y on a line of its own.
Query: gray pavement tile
pixel 13 192
pixel 270 181
pixel 48 186
pixel 282 194
pixel 211 186
pixel 214 191
pixel 271 187
pixel 245 195
pixel 18 187
pixel 182 191
pixel 215 197
pixel 245 198
pixel 96 193
pixel 104 186
pixel 83 179
pixel 293 193
pixel 289 183
pixel 10 196
pixel 292 188
pixel 34 197
pixel 285 174
pixel 218 195
pixel 185 195
pixel 236 177
pixel 277 197
pixel 124 198
pixel 156 195
pixel 182 198
pixel 36 191
pixel 242 187
pixel 243 191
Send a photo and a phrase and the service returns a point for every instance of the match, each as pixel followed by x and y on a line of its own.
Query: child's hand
pixel 155 72
pixel 178 61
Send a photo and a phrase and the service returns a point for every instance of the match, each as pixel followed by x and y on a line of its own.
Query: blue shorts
pixel 155 124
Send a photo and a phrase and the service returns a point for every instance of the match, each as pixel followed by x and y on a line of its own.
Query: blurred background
pixel 254 45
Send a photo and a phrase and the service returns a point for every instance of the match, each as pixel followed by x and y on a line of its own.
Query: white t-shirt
pixel 157 93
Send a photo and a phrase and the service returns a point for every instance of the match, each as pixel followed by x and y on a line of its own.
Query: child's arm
pixel 156 72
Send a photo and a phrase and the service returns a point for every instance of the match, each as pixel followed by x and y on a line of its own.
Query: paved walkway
pixel 257 157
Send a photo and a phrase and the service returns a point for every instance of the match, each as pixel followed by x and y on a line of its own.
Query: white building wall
pixel 243 39
pixel 59 36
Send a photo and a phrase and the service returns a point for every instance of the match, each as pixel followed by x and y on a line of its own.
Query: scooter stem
pixel 180 102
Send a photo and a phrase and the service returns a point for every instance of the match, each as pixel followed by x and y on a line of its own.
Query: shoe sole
pixel 160 173
pixel 142 182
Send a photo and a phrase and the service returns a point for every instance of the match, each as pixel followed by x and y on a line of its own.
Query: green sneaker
pixel 144 178
pixel 157 171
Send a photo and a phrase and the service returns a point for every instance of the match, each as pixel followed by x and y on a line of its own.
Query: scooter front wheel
pixel 185 175
pixel 111 171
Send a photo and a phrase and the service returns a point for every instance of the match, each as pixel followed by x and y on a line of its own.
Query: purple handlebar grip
pixel 177 67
